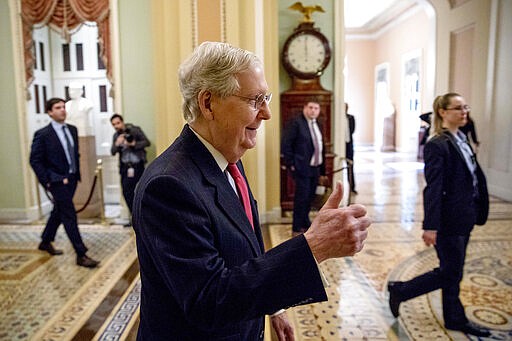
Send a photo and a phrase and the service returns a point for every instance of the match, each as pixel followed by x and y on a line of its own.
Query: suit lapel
pixel 305 130
pixel 452 140
pixel 56 142
pixel 74 134
pixel 225 198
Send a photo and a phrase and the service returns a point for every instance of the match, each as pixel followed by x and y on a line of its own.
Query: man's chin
pixel 249 144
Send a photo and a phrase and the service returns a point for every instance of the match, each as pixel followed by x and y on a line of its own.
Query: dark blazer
pixel 349 150
pixel 469 130
pixel 48 158
pixel 204 272
pixel 297 147
pixel 448 199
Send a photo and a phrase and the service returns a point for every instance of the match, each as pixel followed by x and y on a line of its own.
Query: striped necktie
pixel 71 152
pixel 316 153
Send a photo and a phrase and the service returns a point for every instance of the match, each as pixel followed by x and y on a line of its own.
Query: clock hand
pixel 306 49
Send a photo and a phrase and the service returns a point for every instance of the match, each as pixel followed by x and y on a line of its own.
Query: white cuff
pixel 279 312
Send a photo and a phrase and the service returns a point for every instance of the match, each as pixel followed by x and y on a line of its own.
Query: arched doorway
pixel 386 61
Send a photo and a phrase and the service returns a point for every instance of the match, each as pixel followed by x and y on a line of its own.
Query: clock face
pixel 306 54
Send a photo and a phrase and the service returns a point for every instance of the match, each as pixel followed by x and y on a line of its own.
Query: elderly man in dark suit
pixel 205 273
pixel 55 160
pixel 304 154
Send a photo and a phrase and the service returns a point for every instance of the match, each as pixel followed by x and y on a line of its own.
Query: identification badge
pixel 130 172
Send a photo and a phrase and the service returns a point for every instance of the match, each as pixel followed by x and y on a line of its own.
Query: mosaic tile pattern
pixel 16 264
pixel 123 316
pixel 354 310
pixel 52 300
pixel 390 186
pixel 358 308
pixel 486 289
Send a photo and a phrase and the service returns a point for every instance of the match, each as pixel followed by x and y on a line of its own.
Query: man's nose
pixel 264 113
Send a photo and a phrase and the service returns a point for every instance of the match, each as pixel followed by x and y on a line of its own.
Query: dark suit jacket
pixel 351 128
pixel 297 147
pixel 469 130
pixel 449 204
pixel 204 272
pixel 48 158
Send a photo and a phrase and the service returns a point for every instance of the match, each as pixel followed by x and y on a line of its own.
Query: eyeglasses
pixel 465 108
pixel 258 100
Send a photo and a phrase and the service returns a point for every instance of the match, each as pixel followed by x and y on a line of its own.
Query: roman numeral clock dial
pixel 306 53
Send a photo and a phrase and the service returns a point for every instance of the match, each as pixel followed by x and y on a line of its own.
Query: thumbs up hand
pixel 337 232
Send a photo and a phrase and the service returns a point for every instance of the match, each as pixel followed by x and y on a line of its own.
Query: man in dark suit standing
pixel 55 160
pixel 304 154
pixel 204 270
pixel 349 148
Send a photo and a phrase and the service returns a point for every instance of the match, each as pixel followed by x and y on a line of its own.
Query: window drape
pixel 65 17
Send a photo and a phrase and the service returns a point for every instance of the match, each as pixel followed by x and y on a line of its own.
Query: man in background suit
pixel 304 154
pixel 349 148
pixel 204 270
pixel 55 160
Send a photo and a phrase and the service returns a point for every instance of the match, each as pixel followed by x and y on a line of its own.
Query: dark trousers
pixel 305 188
pixel 350 174
pixel 64 212
pixel 451 251
pixel 350 165
pixel 128 183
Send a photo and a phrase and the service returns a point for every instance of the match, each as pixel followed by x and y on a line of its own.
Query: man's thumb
pixel 335 197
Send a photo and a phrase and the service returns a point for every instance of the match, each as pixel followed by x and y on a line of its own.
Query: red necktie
pixel 243 192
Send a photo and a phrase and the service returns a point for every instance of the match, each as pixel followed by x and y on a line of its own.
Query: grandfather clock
pixel 306 53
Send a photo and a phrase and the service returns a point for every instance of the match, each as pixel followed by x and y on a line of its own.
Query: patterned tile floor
pixel 50 298
pixel 390 186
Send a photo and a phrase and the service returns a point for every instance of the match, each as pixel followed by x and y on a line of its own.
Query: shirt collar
pixel 219 158
pixel 56 125
pixel 459 136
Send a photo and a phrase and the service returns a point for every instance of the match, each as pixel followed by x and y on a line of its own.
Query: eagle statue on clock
pixel 306 53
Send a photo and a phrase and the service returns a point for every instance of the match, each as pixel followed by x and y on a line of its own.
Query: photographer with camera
pixel 130 142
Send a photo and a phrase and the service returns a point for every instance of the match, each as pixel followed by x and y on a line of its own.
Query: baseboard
pixel 23 215
pixel 500 192
pixel 271 216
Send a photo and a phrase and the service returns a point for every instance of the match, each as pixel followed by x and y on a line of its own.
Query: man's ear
pixel 205 104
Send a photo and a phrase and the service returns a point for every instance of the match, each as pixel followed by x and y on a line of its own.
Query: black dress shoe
pixel 470 328
pixel 394 298
pixel 86 262
pixel 48 247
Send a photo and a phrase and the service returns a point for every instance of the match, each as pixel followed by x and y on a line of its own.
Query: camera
pixel 128 137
